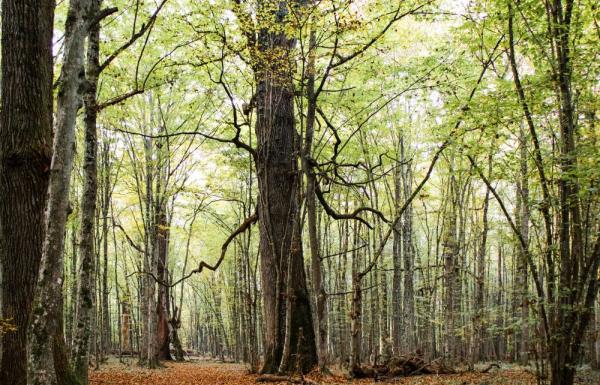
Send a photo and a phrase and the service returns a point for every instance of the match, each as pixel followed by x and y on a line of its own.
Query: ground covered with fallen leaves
pixel 211 373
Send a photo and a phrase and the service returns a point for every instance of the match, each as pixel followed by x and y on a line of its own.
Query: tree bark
pixel 278 208
pixel 409 322
pixel 451 274
pixel 311 211
pixel 163 335
pixel 87 272
pixel 47 306
pixel 25 153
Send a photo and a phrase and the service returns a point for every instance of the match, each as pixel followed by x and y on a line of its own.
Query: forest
pixel 299 192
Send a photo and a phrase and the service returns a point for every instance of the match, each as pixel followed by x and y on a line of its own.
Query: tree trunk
pixel 451 275
pixel 477 350
pixel 522 275
pixel 408 313
pixel 164 352
pixel 25 140
pixel 397 265
pixel 356 315
pixel 311 210
pixel 47 307
pixel 106 343
pixel 87 274
pixel 278 208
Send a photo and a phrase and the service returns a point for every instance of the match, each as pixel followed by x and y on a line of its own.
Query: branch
pixel 345 252
pixel 103 14
pixel 397 16
pixel 353 215
pixel 131 242
pixel 143 29
pixel 202 265
pixel 118 99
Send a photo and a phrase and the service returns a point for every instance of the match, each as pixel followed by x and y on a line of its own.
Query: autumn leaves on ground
pixel 209 373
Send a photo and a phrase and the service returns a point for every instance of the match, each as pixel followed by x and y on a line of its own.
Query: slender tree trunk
pixel 25 152
pixel 451 270
pixel 408 313
pixel 522 275
pixel 47 307
pixel 478 338
pixel 87 274
pixel 164 351
pixel 106 339
pixel 311 209
pixel 397 265
pixel 356 310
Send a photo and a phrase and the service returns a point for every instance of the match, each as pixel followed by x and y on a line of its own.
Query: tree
pixel 25 151
pixel 46 325
pixel 288 325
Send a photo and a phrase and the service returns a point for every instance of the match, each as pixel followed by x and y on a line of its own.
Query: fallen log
pixel 490 367
pixel 400 366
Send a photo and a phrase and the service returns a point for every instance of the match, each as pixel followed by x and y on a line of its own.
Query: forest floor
pixel 214 373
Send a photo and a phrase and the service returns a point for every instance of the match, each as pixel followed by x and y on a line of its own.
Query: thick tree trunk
pixel 25 151
pixel 278 208
pixel 47 307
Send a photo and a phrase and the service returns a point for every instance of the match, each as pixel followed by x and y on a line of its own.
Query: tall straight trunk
pixel 278 207
pixel 451 275
pixel 87 274
pixel 47 307
pixel 499 341
pixel 356 308
pixel 164 351
pixel 72 311
pixel 25 152
pixel 522 274
pixel 397 266
pixel 149 314
pixel 409 322
pixel 478 326
pixel 311 210
pixel 106 340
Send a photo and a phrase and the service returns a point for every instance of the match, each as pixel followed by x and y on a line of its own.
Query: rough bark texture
pixel 47 306
pixel 278 208
pixel 25 151
pixel 85 290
